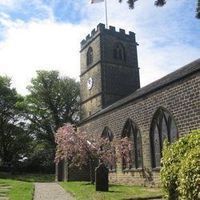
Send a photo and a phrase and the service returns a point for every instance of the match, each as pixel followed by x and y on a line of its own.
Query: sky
pixel 46 34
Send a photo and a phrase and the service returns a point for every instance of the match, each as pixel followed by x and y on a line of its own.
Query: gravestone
pixel 101 177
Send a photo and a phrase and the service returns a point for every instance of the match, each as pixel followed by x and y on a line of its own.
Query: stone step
pixel 3 195
pixel 4 198
pixel 5 187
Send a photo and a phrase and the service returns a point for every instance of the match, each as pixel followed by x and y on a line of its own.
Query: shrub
pixel 189 176
pixel 174 171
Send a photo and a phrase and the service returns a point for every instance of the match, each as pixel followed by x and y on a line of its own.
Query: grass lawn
pixel 21 187
pixel 16 190
pixel 86 191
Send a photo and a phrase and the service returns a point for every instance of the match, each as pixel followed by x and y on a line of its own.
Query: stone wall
pixel 178 92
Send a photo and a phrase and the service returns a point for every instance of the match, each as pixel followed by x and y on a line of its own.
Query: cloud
pixel 40 45
pixel 51 41
pixel 6 2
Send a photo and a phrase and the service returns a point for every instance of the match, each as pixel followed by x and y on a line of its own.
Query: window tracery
pixel 162 128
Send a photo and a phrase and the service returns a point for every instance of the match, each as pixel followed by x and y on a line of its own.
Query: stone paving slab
pixel 50 191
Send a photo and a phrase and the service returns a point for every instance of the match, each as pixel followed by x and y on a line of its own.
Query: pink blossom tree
pixel 126 149
pixel 81 148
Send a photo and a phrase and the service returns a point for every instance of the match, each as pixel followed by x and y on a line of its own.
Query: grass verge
pixel 16 190
pixel 21 186
pixel 86 191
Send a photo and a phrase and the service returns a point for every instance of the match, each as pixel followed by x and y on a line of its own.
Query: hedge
pixel 180 172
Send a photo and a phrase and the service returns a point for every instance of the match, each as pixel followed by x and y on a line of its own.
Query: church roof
pixel 177 75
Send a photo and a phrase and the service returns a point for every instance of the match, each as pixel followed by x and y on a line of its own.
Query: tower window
pixel 89 56
pixel 162 128
pixel 119 52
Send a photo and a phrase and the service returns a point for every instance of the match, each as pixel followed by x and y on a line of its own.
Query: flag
pixel 96 1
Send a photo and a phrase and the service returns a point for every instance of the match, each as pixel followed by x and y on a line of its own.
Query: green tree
pixel 53 101
pixel 162 3
pixel 131 3
pixel 14 138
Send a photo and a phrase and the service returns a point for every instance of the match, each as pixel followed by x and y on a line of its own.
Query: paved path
pixel 50 191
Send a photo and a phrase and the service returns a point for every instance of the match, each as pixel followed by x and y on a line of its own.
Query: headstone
pixel 101 177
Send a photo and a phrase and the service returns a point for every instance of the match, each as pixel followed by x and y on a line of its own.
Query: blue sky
pixel 46 34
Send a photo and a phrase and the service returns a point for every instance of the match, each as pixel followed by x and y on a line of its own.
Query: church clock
pixel 90 83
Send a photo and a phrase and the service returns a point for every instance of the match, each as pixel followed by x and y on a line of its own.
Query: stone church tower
pixel 109 68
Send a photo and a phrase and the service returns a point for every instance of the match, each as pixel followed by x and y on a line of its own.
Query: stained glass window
pixel 162 128
pixel 107 133
pixel 138 150
pixel 157 146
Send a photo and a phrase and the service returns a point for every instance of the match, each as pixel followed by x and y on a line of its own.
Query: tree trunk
pixel 92 172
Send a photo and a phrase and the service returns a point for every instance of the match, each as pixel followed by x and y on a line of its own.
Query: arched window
pixel 131 131
pixel 119 52
pixel 89 56
pixel 162 128
pixel 107 134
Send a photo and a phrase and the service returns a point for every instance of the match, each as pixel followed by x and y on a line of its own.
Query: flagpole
pixel 106 15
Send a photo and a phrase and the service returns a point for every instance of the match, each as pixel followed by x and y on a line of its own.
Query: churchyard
pixel 107 136
pixel 21 187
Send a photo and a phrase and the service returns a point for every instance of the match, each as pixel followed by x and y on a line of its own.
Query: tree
pixel 81 148
pixel 125 149
pixel 53 101
pixel 162 3
pixel 14 138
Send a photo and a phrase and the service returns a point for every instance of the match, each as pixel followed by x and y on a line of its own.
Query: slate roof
pixel 177 75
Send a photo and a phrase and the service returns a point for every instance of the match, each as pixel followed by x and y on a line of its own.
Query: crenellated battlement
pixel 111 30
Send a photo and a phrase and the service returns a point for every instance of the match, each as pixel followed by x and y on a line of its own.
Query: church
pixel 114 105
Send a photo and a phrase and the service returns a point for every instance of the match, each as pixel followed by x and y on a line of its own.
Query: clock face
pixel 90 83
